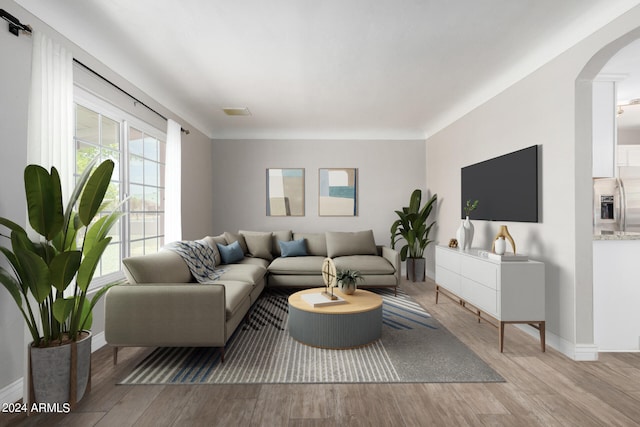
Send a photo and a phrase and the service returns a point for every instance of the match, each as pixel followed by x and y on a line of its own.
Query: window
pixel 138 151
pixel 146 161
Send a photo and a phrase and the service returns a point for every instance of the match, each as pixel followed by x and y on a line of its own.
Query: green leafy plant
pixel 349 277
pixel 412 226
pixel 470 207
pixel 49 276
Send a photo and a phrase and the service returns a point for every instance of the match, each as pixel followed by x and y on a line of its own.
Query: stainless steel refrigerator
pixel 616 204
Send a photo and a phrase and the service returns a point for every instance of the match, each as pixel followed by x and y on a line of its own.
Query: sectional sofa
pixel 162 303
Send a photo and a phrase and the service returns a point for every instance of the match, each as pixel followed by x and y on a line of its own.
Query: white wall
pixel 13 136
pixel 388 171
pixel 14 93
pixel 538 110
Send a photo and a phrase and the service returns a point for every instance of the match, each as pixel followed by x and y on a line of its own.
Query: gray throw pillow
pixel 258 245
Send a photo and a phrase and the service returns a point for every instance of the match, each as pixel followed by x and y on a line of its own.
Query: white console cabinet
pixel 507 291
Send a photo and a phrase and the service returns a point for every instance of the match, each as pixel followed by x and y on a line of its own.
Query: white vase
pixel 461 235
pixel 468 226
pixel 500 245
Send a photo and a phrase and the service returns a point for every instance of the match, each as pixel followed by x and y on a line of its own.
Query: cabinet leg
pixel 437 293
pixel 501 336
pixel 542 335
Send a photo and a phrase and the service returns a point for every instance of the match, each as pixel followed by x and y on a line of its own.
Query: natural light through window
pixel 139 156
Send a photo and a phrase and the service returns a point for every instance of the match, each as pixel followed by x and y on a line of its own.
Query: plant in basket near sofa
pixel 348 280
pixel 49 277
pixel 412 227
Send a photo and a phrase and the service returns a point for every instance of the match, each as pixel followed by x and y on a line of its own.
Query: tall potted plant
pixel 49 276
pixel 412 227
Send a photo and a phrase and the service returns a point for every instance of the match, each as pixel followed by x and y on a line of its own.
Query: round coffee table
pixel 355 323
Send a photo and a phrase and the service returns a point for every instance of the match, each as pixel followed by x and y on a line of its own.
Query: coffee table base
pixel 337 331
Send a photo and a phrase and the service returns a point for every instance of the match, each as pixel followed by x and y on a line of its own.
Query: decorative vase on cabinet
pixel 504 232
pixel 469 229
pixel 500 245
pixel 461 235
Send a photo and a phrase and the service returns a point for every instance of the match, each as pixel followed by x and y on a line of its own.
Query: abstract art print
pixel 285 192
pixel 338 192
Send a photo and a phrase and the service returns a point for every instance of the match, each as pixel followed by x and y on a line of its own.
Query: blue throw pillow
pixel 230 253
pixel 293 248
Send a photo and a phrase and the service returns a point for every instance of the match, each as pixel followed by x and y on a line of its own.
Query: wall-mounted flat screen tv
pixel 506 187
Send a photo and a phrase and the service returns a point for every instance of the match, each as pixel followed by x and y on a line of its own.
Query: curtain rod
pixel 186 131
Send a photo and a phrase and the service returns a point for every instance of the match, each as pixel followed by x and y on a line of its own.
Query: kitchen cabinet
pixel 604 128
pixel 616 292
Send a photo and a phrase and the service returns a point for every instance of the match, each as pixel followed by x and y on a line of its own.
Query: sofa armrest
pixel 393 257
pixel 162 314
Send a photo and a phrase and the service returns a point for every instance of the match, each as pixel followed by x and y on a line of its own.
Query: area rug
pixel 414 347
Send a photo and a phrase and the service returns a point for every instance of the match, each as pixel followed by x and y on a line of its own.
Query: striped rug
pixel 414 347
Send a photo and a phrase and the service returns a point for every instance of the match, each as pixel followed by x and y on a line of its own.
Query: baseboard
pixel 586 352
pixel 577 352
pixel 13 392
pixel 98 341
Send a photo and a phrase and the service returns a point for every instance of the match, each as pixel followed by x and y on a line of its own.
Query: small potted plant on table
pixel 347 280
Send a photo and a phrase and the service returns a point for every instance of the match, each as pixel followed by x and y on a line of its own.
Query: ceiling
pixel 360 69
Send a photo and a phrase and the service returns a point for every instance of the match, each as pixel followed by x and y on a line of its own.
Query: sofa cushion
pixel 245 272
pixel 255 261
pixel 258 244
pixel 162 267
pixel 213 241
pixel 230 253
pixel 297 265
pixel 316 243
pixel 235 294
pixel 365 264
pixel 293 248
pixel 350 243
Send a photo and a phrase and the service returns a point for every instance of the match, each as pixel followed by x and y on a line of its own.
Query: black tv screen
pixel 506 187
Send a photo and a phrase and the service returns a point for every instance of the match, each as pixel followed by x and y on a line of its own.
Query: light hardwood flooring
pixel 541 389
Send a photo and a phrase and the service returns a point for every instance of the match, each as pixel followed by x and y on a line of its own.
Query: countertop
pixel 616 235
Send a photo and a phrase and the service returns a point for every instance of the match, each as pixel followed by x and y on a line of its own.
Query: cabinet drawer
pixel 448 280
pixel 448 259
pixel 480 296
pixel 480 271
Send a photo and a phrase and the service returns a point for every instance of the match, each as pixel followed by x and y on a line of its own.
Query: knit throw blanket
pixel 200 257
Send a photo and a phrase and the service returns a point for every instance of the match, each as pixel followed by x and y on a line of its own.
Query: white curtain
pixel 50 124
pixel 173 185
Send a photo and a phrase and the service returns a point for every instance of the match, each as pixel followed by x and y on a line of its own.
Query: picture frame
pixel 337 192
pixel 285 192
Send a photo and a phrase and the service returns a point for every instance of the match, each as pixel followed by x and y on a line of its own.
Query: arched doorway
pixel 584 297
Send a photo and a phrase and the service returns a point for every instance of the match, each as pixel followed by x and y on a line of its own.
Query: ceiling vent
pixel 236 111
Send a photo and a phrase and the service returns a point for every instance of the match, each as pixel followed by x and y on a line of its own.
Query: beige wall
pixel 388 171
pixel 538 110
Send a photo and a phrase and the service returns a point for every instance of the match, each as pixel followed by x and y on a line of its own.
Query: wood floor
pixel 541 389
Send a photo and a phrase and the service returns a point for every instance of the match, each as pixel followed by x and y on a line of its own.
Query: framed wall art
pixel 285 192
pixel 338 192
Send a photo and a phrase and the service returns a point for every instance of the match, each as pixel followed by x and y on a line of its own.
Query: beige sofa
pixel 163 305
